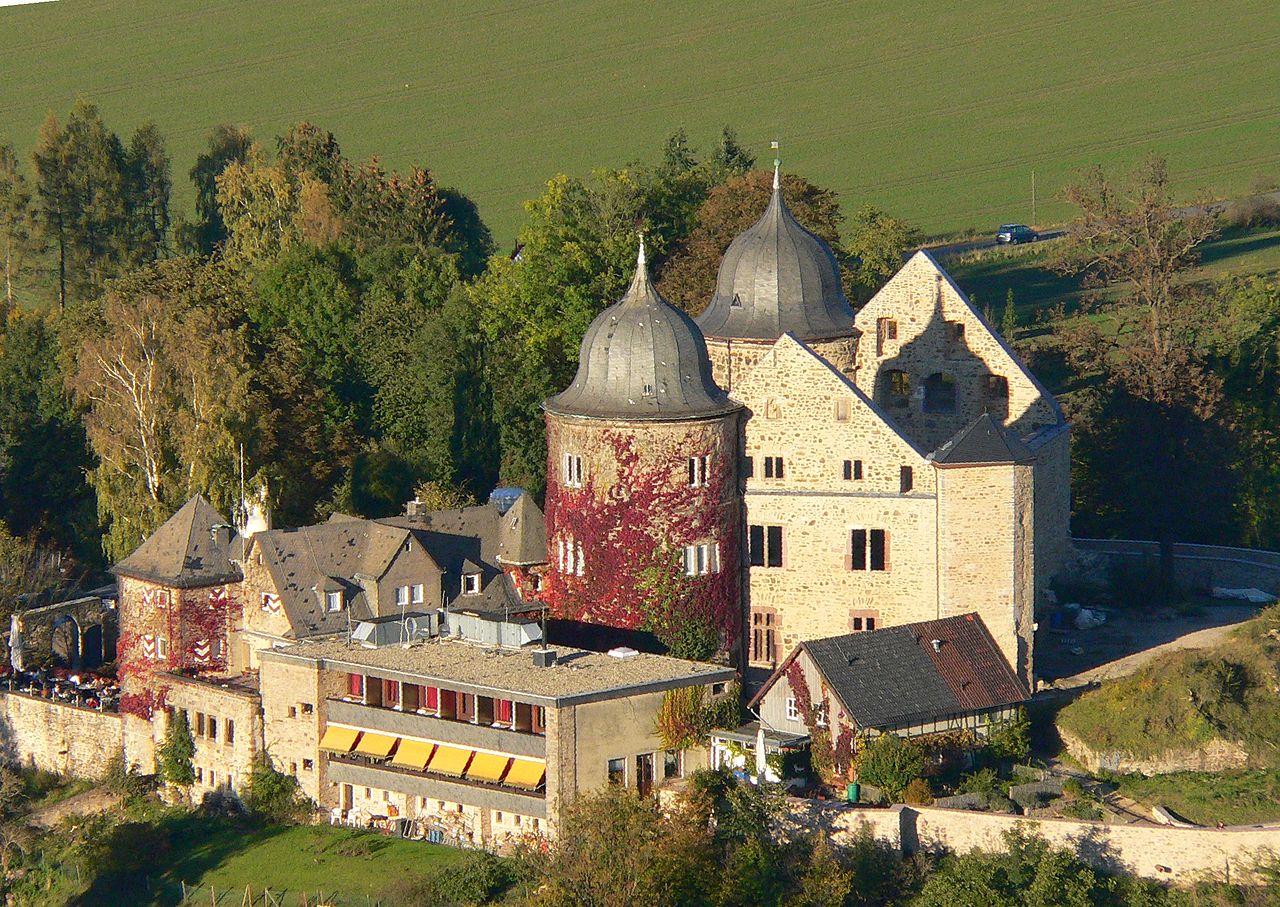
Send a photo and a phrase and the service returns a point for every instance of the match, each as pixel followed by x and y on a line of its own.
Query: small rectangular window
pixel 308 708
pixel 402 595
pixel 470 583
pixel 749 467
pixel 793 713
pixel 229 731
pixel 199 724
pixel 671 764
pixel 773 468
pixel 879 550
pixel 858 549
pixel 390 694
pixel 773 543
pixel 419 593
pixel 862 621
pixel 307 765
pixel 906 479
pixel 618 772
pixel 333 601
pixel 699 471
pixel 843 409
pixel 573 470
pixel 886 330
pixel 355 686
pixel 701 560
pixel 212 728
pixel 756 543
pixel 852 470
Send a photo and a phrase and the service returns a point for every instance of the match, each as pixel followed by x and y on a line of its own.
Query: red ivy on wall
pixel 830 759
pixel 634 526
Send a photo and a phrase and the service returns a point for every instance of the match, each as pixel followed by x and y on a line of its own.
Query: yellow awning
pixel 526 774
pixel 376 745
pixel 487 767
pixel 339 739
pixel 413 754
pixel 449 760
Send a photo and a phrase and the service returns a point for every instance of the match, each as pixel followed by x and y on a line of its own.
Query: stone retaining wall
pixel 1179 855
pixel 56 736
pixel 1197 566
pixel 1214 756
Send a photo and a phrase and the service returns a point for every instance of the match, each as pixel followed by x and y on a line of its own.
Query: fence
pixel 1198 566
pixel 251 896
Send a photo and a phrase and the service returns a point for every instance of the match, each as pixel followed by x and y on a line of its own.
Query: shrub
pixel 274 796
pixel 918 793
pixel 983 781
pixel 890 763
pixel 1010 741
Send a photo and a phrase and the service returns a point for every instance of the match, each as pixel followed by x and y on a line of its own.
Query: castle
pixel 776 471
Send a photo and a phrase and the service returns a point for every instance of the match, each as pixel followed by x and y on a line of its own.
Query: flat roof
pixel 577 676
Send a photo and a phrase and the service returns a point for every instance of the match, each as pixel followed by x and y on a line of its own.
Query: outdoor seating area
pixel 81 688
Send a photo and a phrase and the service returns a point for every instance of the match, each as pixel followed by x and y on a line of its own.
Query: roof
pixel 642 358
pixel 185 552
pixel 895 676
pixel 777 277
pixel 982 442
pixel 334 553
pixel 577 675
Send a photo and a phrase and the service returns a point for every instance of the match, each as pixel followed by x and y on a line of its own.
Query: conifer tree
pixel 176 752
pixel 1009 317
pixel 18 236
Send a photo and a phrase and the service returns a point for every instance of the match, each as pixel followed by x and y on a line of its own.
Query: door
pixel 347 796
pixel 644 774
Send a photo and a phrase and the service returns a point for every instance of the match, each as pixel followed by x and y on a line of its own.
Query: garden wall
pixel 1195 566
pixel 55 736
pixel 1180 855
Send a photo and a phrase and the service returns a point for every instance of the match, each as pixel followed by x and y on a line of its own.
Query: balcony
pixel 360 772
pixel 459 733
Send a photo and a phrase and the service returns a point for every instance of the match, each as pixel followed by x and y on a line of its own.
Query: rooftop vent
pixel 937 645
pixel 544 658
pixel 623 652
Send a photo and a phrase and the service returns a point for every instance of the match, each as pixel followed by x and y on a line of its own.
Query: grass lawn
pixel 1207 798
pixel 940 111
pixel 293 860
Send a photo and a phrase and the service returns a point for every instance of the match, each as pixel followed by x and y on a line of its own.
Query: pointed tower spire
pixel 777 166
pixel 640 264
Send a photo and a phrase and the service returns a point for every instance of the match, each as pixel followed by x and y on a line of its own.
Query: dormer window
pixel 333 602
pixel 471 584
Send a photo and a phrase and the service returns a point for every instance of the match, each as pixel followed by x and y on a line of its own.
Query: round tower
pixel 777 278
pixel 642 506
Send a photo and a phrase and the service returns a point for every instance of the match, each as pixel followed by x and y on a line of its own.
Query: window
pixel 766 546
pixel 419 593
pixel 199 724
pixel 618 772
pixel 212 728
pixel 162 598
pixel 906 479
pixel 852 470
pixel 748 467
pixel 333 601
pixel 470 583
pixel 466 707
pixel 897 389
pixel 573 470
pixel 539 719
pixel 764 636
pixel 229 731
pixel 955 339
pixel 868 549
pixel 996 387
pixel 886 330
pixel 307 765
pixel 162 648
pixel 293 711
pixel 497 817
pixel 793 714
pixel 699 471
pixel 671 764
pixel 862 621
pixel 701 560
pixel 355 686
pixel 308 708
pixel 571 559
pixel 504 712
pixel 390 694
pixel 939 393
pixel 773 468
pixel 771 409
pixel 199 774
pixel 843 409
pixel 820 714
pixel 402 596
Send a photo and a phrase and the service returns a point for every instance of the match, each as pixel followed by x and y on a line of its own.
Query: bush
pixel 918 793
pixel 1010 741
pixel 890 763
pixel 983 781
pixel 274 796
pixel 477 878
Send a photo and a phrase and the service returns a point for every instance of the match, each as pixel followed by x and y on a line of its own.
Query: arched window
pixel 895 388
pixel 940 393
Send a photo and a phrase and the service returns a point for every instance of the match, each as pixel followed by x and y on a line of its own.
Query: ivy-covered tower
pixel 643 510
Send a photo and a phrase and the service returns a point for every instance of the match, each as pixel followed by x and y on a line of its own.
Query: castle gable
pixel 934 363
pixel 192 549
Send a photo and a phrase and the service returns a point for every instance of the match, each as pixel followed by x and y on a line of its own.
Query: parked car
pixel 1016 233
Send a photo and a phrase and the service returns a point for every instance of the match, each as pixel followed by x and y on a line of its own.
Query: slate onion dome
pixel 777 277
pixel 642 358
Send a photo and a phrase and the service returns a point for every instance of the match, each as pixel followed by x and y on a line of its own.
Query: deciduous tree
pixel 226 145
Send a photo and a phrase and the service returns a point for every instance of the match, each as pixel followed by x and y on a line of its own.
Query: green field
pixel 939 111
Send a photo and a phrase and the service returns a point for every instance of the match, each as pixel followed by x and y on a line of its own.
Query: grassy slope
pixel 937 110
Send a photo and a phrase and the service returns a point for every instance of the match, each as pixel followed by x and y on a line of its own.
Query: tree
pixel 379 208
pixel 274 796
pixel 825 881
pixel 80 180
pixel 31 574
pixel 261 206
pixel 890 763
pixel 876 246
pixel 226 145
pixel 688 278
pixel 308 149
pixel 174 756
pixel 147 186
pixel 162 373
pixel 18 234
pixel 1009 318
pixel 1132 235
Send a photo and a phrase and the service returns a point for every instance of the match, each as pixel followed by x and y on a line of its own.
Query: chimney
pixel 221 534
pixel 257 514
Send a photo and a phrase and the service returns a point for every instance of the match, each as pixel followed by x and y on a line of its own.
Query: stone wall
pixel 1178 855
pixel 1195 566
pixel 226 727
pixel 57 737
pixel 1214 756
pixel 294 709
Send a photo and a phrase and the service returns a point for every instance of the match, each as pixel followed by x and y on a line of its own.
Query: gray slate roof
pixel 642 358
pixel 184 552
pixel 893 677
pixel 778 277
pixel 983 441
